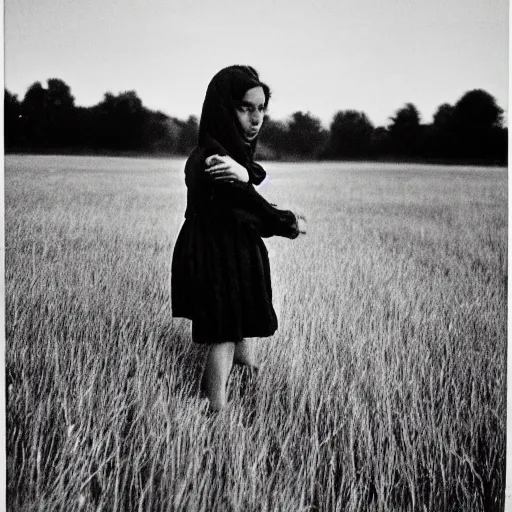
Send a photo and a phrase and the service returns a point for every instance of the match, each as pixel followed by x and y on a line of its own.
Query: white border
pixel 508 477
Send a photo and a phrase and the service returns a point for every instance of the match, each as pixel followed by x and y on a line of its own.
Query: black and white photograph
pixel 255 256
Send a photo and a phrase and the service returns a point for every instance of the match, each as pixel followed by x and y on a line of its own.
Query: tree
pixel 478 110
pixel 48 116
pixel 120 122
pixel 60 110
pixel 12 120
pixel 380 142
pixel 188 135
pixel 443 118
pixel 87 124
pixel 34 116
pixel 274 135
pixel 59 94
pixel 477 122
pixel 405 131
pixel 350 135
pixel 305 134
pixel 440 137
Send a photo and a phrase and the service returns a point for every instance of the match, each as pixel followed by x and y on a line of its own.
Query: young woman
pixel 220 269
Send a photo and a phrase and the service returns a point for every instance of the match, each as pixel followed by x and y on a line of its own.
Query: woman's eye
pixel 248 109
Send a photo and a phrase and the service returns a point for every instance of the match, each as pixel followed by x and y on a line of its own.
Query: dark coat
pixel 220 269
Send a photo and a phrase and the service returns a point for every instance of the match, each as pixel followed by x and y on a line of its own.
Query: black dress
pixel 220 269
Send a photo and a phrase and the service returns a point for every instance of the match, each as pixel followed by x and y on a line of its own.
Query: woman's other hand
pixel 224 168
pixel 301 223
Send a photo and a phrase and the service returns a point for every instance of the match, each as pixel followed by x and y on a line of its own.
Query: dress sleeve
pixel 246 202
pixel 256 173
pixel 251 206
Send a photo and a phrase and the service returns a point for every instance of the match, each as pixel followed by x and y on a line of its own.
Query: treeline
pixel 48 121
pixel 470 131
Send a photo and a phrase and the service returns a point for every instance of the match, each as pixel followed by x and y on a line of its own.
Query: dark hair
pixel 251 71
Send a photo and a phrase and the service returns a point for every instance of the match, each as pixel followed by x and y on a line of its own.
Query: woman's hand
pixel 301 223
pixel 224 168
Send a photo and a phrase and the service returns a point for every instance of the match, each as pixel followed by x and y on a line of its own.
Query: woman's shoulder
pixel 197 156
pixel 195 162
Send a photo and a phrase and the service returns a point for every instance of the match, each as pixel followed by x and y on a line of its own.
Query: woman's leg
pixel 216 373
pixel 245 354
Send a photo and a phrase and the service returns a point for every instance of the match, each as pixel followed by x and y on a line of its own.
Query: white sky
pixel 317 56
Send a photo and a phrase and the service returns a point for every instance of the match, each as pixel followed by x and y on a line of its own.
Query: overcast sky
pixel 317 56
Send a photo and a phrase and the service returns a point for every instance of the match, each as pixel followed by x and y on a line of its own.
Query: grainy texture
pixel 384 388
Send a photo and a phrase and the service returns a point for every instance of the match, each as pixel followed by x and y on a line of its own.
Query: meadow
pixel 384 388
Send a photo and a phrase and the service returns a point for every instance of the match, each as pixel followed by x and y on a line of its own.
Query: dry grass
pixel 384 388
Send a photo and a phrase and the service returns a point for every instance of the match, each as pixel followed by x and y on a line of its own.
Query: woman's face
pixel 251 111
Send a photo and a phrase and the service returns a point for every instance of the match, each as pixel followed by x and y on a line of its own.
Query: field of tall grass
pixel 384 388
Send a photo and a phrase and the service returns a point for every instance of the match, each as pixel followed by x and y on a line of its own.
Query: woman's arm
pixel 232 187
pixel 248 204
